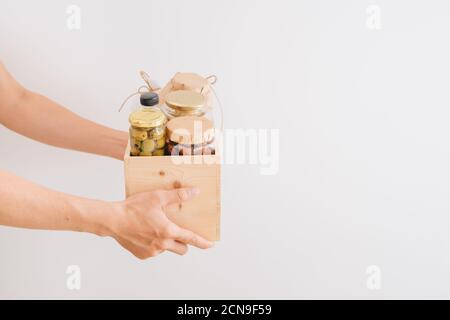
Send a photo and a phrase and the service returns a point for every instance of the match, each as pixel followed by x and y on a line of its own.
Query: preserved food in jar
pixel 190 135
pixel 147 128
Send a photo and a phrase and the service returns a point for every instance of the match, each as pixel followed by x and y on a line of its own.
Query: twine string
pixel 212 79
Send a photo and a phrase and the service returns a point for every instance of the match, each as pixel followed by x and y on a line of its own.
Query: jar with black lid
pixel 148 128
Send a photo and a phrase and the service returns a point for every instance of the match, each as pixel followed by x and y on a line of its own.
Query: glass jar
pixel 190 135
pixel 148 128
pixel 181 103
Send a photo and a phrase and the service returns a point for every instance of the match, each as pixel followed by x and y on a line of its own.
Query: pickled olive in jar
pixel 134 151
pixel 147 147
pixel 135 143
pixel 148 127
pixel 158 152
pixel 139 135
pixel 132 141
pixel 135 147
pixel 157 133
pixel 161 142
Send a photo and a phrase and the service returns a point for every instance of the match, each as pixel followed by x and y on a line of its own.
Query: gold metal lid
pixel 147 118
pixel 190 130
pixel 185 100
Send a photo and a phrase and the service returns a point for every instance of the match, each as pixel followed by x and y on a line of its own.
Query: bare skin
pixel 138 223
pixel 37 117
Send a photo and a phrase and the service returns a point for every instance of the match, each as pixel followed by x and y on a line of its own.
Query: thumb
pixel 177 195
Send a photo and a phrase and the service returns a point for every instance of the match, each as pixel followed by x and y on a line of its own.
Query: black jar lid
pixel 149 99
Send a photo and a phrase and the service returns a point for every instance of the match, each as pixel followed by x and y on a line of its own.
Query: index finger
pixel 193 239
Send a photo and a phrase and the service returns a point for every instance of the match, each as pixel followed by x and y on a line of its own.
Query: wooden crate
pixel 202 214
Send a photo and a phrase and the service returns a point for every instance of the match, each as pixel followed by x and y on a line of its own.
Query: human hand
pixel 142 227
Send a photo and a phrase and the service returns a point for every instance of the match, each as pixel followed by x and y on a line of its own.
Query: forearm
pixel 42 119
pixel 27 205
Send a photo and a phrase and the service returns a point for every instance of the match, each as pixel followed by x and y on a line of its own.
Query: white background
pixel 364 154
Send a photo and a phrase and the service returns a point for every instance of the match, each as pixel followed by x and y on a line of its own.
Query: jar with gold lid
pixel 190 135
pixel 181 103
pixel 148 128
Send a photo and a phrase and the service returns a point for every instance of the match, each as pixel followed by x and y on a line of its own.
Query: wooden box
pixel 202 214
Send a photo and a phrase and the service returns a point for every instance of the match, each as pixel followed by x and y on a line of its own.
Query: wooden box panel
pixel 202 214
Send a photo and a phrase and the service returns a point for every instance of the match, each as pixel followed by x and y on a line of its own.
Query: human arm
pixel 138 223
pixel 39 118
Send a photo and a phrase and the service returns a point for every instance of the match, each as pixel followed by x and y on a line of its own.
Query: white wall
pixel 363 118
